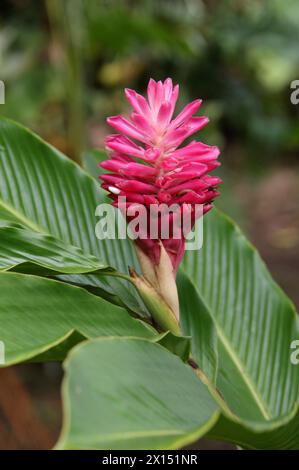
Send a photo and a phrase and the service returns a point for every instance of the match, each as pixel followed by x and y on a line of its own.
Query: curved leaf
pixel 178 345
pixel 131 394
pixel 28 251
pixel 255 324
pixel 285 437
pixel 37 314
pixel 197 322
pixel 48 193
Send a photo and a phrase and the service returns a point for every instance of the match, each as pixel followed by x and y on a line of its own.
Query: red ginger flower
pixel 159 170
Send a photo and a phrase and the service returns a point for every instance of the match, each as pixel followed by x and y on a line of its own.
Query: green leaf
pixel 178 345
pixel 285 437
pixel 37 314
pixel 197 322
pixel 131 394
pixel 47 193
pixel 6 217
pixel 59 352
pixel 255 324
pixel 27 251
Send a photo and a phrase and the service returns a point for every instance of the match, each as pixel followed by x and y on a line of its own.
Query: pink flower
pixel 148 165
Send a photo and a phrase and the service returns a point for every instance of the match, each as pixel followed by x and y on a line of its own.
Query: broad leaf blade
pixel 197 322
pixel 283 437
pixel 131 394
pixel 26 251
pixel 48 193
pixel 255 324
pixel 37 314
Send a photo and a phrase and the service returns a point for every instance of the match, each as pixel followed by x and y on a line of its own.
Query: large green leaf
pixel 283 437
pixel 178 345
pixel 131 394
pixel 37 314
pixel 43 191
pixel 255 324
pixel 28 251
pixel 197 322
pixel 46 192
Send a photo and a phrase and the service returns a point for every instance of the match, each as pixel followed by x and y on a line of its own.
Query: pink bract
pixel 147 164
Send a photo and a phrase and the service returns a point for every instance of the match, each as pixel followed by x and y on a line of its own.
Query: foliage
pixel 127 385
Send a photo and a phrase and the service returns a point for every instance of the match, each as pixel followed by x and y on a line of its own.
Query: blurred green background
pixel 65 64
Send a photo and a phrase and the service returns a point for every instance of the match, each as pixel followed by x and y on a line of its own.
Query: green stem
pixel 162 314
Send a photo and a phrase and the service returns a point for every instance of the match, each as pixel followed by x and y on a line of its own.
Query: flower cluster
pixel 148 165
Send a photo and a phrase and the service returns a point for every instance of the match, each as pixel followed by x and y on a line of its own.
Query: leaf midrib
pixel 22 219
pixel 244 374
pixel 240 366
